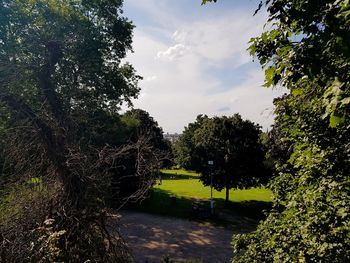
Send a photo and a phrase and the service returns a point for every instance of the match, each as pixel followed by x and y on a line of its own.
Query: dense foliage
pixel 61 85
pixel 184 148
pixel 141 124
pixel 231 143
pixel 307 50
pixel 138 126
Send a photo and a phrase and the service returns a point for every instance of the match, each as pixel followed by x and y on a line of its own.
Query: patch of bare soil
pixel 152 237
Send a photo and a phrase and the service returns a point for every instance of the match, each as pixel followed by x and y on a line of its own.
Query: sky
pixel 194 60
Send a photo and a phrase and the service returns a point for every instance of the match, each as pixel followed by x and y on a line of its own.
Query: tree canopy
pixel 138 126
pixel 307 51
pixel 141 124
pixel 184 148
pixel 61 84
pixel 231 143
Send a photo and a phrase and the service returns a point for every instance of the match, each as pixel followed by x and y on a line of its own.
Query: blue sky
pixel 194 61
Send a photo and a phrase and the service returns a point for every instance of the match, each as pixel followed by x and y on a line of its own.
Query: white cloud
pixel 220 39
pixel 179 36
pixel 150 78
pixel 250 99
pixel 174 52
pixel 175 93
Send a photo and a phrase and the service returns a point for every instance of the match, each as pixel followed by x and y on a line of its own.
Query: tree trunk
pixel 227 194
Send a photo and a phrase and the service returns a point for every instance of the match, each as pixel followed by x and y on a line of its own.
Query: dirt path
pixel 152 237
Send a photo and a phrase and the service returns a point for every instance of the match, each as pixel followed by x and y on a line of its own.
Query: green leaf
pixel 297 92
pixel 335 120
pixel 269 76
pixel 345 101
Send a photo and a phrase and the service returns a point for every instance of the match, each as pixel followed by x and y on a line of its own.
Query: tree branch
pixel 21 107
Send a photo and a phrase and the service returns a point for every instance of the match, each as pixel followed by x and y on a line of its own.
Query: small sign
pixel 211 162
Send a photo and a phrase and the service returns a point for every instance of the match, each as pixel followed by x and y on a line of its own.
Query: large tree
pixel 127 182
pixel 184 148
pixel 232 144
pixel 141 124
pixel 61 78
pixel 307 50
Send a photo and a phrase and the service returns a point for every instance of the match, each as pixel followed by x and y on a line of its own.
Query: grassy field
pixel 186 184
pixel 179 189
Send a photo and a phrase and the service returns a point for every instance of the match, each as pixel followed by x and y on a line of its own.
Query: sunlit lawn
pixel 189 186
pixel 185 187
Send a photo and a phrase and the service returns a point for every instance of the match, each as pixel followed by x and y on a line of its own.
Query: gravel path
pixel 152 237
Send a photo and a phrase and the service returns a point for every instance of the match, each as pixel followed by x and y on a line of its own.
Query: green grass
pixel 14 201
pixel 191 187
pixel 186 187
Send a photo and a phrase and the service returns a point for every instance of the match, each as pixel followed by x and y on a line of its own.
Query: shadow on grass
pixel 178 176
pixel 165 203
pixel 161 202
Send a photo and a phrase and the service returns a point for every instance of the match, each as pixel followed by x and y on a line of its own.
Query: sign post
pixel 211 163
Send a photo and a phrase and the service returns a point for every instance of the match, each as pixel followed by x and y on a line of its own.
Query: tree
pixel 138 126
pixel 144 126
pixel 306 51
pixel 233 145
pixel 141 124
pixel 184 148
pixel 276 144
pixel 60 77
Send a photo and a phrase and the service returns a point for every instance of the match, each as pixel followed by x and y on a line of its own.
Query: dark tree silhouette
pixel 60 75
